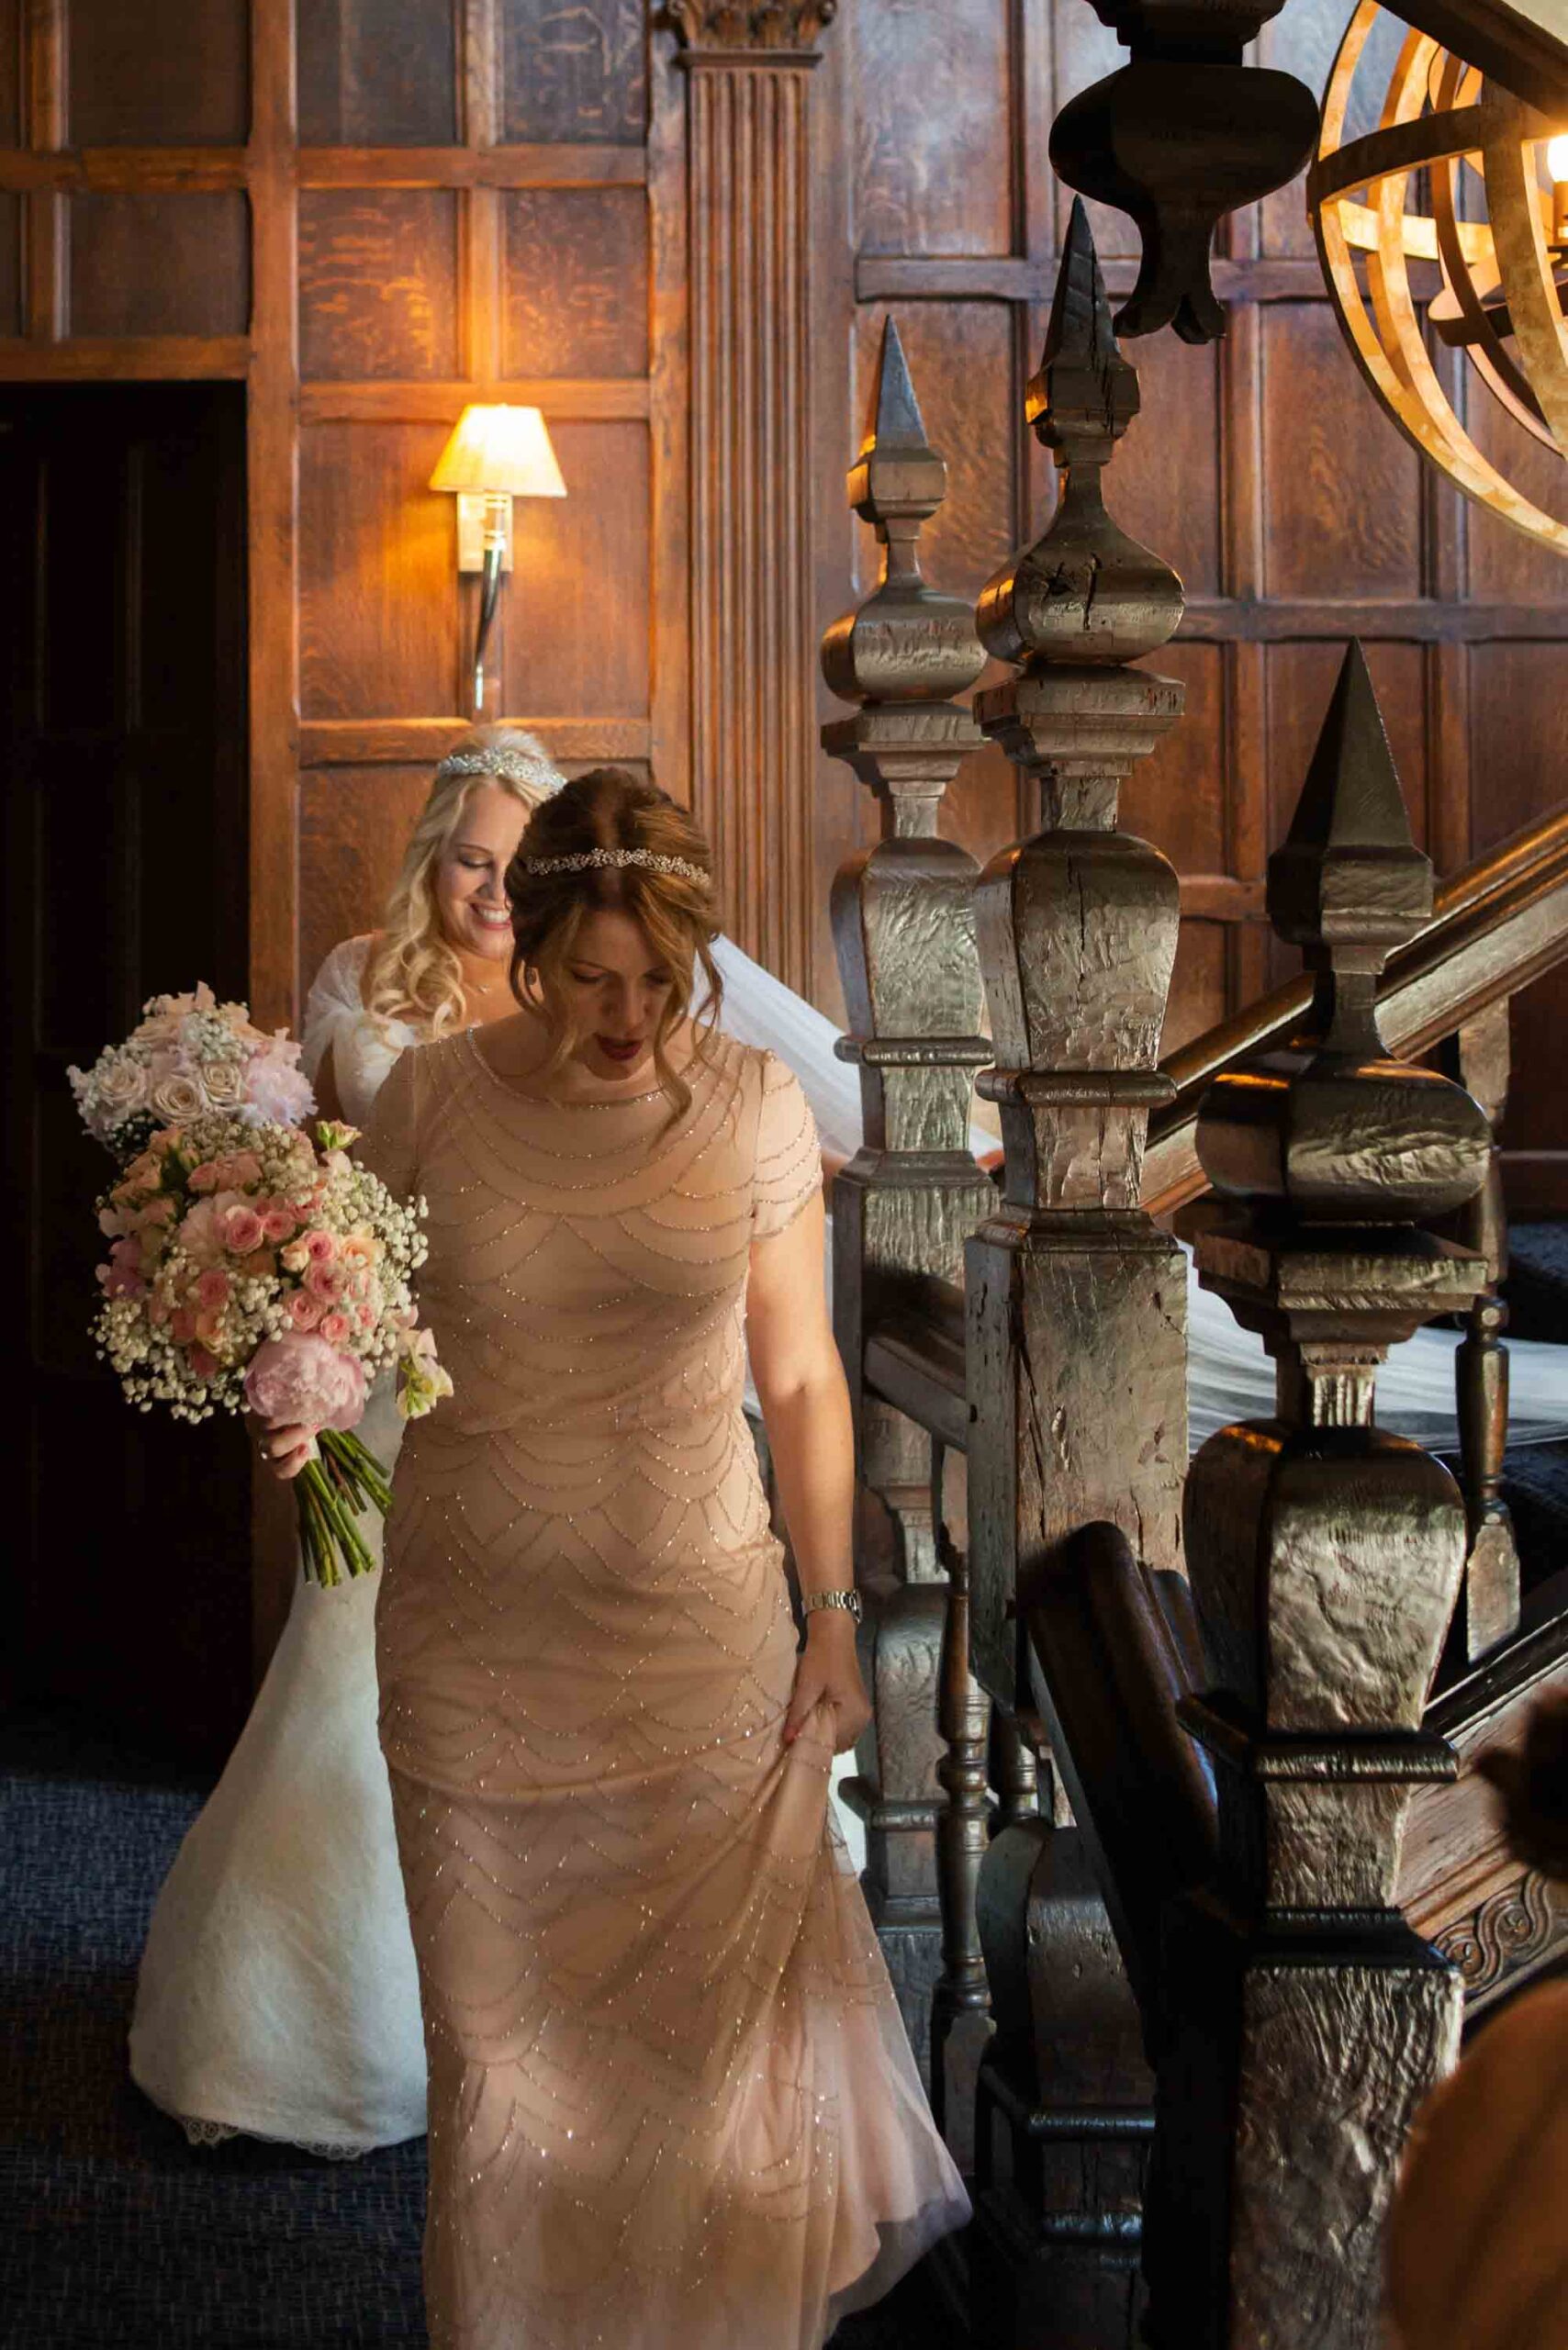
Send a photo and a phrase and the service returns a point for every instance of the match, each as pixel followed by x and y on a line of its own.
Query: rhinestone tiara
pixel 517 767
pixel 588 859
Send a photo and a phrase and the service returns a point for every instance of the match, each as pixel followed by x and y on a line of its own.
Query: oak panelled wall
pixel 372 211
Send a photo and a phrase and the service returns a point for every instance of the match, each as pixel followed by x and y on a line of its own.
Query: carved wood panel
pixel 159 265
pixel 574 298
pixel 163 73
pixel 378 284
pixel 377 73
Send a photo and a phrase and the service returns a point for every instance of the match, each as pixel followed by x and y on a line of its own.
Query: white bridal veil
pixel 1229 1377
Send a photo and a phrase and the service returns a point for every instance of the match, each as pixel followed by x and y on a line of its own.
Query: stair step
pixel 1537 1286
pixel 1535 1486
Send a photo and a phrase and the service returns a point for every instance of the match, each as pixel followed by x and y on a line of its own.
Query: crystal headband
pixel 517 767
pixel 602 857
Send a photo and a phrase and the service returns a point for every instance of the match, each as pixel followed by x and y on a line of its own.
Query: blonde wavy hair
pixel 413 973
pixel 609 808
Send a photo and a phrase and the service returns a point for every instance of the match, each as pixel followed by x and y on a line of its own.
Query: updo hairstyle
pixel 610 809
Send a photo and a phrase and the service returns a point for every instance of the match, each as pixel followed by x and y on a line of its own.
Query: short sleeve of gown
pixel 789 1153
pixel 390 1146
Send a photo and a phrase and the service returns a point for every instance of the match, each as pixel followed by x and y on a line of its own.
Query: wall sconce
pixel 494 455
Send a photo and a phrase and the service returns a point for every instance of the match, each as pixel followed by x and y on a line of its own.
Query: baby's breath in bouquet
pixel 253 1266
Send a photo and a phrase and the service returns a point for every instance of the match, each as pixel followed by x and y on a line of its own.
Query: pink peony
pixel 301 1380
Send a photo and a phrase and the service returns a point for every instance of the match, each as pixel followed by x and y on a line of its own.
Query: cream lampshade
pixel 496 453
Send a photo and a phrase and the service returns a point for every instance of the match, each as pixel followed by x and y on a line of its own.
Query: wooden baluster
pixel 1477 1057
pixel 1015 1770
pixel 960 2002
pixel 903 928
pixel 1326 1558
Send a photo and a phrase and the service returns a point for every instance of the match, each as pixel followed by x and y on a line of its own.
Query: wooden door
pixel 122 566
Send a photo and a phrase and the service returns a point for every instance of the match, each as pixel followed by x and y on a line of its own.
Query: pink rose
pixel 113 1222
pixel 278 1222
pixel 183 1325
pixel 324 1281
pixel 301 1379
pixel 294 1257
pixel 204 1365
pixel 321 1246
pixel 334 1328
pixel 212 1290
pixel 161 1211
pixel 205 1178
pixel 303 1311
pixel 241 1231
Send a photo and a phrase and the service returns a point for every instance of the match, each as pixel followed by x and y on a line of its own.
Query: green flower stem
pixel 329 1538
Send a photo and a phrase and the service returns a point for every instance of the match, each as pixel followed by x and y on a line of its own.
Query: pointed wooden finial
pixel 1084 593
pixel 1084 391
pixel 899 476
pixel 1348 876
pixel 907 641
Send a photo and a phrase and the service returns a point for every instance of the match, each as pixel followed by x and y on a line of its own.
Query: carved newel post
pixel 1077 1305
pixel 903 927
pixel 1325 1558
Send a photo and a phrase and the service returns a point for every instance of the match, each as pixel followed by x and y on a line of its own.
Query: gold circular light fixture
pixel 1466 185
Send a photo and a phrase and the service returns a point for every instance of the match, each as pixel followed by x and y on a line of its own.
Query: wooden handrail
pixel 1495 927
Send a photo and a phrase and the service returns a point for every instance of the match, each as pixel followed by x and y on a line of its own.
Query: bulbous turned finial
pixel 1331 1127
pixel 908 642
pixel 1085 593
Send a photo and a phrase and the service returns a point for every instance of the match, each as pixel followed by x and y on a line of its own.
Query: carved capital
pixel 734 27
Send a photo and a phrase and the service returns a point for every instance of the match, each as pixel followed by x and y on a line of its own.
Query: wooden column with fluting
pixel 1307 2020
pixel 749 163
pixel 1077 1305
pixel 903 927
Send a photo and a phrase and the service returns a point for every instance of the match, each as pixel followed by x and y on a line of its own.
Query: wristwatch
pixel 848 1600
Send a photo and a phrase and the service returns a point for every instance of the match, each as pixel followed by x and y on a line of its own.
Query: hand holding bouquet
pixel 253 1268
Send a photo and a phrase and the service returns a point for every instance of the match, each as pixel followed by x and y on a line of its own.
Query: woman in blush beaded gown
pixel 277 1994
pixel 671 2098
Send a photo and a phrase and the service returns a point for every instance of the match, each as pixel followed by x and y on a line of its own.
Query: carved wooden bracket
pixel 1183 135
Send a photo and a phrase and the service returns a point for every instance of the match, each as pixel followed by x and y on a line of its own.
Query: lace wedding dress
pixel 277 1994
pixel 671 2097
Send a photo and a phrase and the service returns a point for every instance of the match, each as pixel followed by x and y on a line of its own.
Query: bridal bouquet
pixel 253 1266
pixel 188 1055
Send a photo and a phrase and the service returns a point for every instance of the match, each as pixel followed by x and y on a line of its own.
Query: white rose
pixel 120 1087
pixel 177 1098
pixel 224 1084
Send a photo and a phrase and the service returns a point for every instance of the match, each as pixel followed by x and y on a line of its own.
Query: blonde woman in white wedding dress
pixel 277 1994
